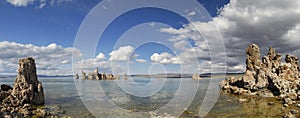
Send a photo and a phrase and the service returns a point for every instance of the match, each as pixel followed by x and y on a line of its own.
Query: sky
pixel 145 40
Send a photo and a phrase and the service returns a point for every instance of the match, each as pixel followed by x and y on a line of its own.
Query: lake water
pixel 145 98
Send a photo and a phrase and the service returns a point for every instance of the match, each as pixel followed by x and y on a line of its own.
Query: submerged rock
pixel 267 76
pixel 5 87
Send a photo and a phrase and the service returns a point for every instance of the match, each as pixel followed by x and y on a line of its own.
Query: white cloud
pixel 181 45
pixel 90 64
pixel 165 58
pixel 48 58
pixel 192 13
pixel 121 54
pixel 100 56
pixel 152 24
pixel 141 60
pixel 20 3
pixel 43 3
pixel 241 22
pixel 60 2
pixel 174 31
pixel 100 62
pixel 113 63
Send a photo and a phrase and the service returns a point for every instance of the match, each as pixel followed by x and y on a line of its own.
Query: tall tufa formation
pixel 27 91
pixel 83 75
pixel 94 75
pixel 76 76
pixel 27 88
pixel 267 76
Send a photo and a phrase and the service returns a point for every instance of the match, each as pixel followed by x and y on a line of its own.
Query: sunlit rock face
pixel 27 87
pixel 98 76
pixel 76 76
pixel 83 75
pixel 27 91
pixel 267 77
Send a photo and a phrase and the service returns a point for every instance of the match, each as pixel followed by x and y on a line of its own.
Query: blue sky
pixel 58 22
pixel 47 30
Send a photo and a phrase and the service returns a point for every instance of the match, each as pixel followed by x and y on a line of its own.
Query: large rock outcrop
pixel 267 76
pixel 76 76
pixel 83 75
pixel 196 77
pixel 94 75
pixel 27 87
pixel 27 91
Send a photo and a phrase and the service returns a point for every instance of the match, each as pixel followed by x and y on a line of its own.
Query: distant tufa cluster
pixel 267 77
pixel 196 77
pixel 96 76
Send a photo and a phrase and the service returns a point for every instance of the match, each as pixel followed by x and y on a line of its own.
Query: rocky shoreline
pixel 268 77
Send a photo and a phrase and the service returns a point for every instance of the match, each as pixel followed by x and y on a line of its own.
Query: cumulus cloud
pixel 87 64
pixel 43 3
pixel 165 58
pixel 141 60
pixel 114 62
pixel 122 54
pixel 100 56
pixel 192 13
pixel 60 2
pixel 241 22
pixel 20 3
pixel 48 58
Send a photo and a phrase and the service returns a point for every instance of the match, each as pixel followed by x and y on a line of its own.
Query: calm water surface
pixel 62 94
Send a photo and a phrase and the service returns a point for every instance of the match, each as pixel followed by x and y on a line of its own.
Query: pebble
pixel 242 100
pixel 7 116
pixel 271 103
pixel 285 105
pixel 294 111
pixel 289 115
